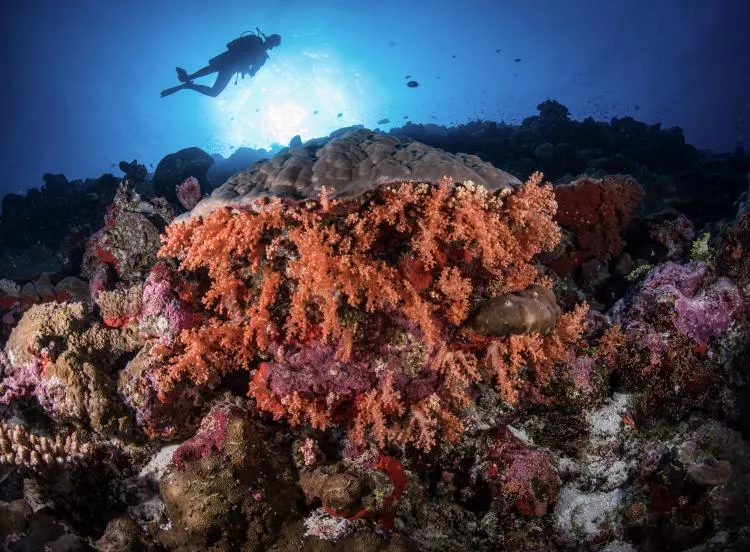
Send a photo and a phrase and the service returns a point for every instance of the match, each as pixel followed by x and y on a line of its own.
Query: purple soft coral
pixel 316 370
pixel 709 313
pixel 699 306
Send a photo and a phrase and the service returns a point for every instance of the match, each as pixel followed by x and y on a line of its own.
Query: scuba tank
pixel 247 41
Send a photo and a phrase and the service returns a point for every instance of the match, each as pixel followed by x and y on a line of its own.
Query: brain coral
pixel 349 162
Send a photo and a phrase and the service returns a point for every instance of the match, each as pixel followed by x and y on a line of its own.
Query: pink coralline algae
pixel 163 313
pixel 18 382
pixel 208 441
pixel 521 474
pixel 675 318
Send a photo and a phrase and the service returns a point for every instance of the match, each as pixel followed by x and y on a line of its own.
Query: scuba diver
pixel 244 55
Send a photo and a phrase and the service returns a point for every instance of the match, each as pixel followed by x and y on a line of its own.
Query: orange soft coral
pixel 540 353
pixel 281 276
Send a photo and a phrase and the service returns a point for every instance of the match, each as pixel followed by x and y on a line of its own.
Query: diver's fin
pixel 170 91
pixel 182 75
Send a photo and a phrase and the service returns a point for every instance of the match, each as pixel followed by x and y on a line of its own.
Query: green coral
pixel 702 251
pixel 639 272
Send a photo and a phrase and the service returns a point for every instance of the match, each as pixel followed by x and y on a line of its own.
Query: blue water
pixel 82 77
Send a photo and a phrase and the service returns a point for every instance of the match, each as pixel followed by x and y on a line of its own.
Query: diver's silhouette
pixel 244 55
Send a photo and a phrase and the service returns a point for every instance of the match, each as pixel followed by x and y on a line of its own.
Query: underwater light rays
pixel 290 96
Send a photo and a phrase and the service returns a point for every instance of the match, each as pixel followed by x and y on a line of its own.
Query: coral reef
pixel 130 238
pixel 19 447
pixel 367 343
pixel 55 356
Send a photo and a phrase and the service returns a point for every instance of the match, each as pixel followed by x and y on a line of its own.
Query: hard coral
pixel 230 487
pixel 309 284
pixel 66 363
pixel 166 413
pixel 532 310
pixel 20 447
pixel 348 162
pixel 129 240
pixel 351 492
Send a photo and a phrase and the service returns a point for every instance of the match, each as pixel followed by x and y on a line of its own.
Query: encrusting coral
pixel 351 311
pixel 230 486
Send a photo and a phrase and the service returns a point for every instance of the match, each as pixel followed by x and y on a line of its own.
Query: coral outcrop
pixel 351 309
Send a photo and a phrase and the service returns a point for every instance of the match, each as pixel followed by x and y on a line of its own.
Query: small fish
pixel 412 84
pixel 315 112
pixel 497 51
pixel 433 117
pixel 392 43
pixel 407 77
pixel 406 116
pixel 257 110
pixel 518 59
pixel 339 115
pixel 454 56
pixel 384 121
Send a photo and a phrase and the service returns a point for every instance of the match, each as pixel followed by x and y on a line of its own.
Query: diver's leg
pixel 207 70
pixel 222 79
